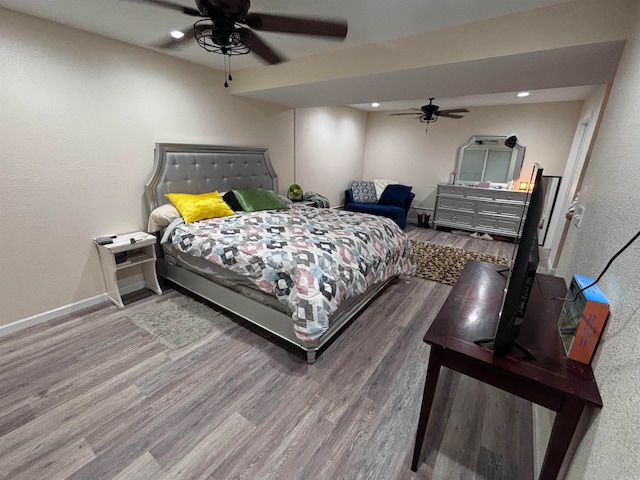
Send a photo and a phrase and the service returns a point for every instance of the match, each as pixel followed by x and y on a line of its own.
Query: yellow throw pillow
pixel 199 207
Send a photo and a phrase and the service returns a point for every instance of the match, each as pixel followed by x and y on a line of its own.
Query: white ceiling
pixel 566 94
pixel 370 21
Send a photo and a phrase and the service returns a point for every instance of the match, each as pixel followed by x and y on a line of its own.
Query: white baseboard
pixel 550 269
pixel 64 310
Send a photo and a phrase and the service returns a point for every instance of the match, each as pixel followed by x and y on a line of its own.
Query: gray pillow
pixel 363 191
pixel 285 200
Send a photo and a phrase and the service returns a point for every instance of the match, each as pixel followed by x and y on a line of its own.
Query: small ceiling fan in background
pixel 430 113
pixel 226 27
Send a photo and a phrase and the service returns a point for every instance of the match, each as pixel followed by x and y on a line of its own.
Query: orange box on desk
pixel 582 320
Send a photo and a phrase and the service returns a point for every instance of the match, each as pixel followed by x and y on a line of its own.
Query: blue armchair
pixel 395 207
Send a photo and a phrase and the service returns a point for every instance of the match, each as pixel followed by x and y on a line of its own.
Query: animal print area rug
pixel 179 320
pixel 444 264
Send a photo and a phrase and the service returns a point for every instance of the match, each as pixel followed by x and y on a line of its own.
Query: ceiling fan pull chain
pixel 227 58
pixel 224 60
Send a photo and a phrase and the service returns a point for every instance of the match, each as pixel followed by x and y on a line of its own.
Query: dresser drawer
pixel 460 204
pixel 497 224
pixel 451 190
pixel 447 217
pixel 497 208
pixel 510 196
pixel 484 193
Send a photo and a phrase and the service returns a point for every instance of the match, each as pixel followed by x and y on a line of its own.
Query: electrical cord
pixel 575 297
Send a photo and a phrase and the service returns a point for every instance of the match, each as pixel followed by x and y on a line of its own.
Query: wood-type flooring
pixel 92 396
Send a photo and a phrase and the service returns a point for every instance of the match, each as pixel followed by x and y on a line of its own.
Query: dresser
pixel 486 210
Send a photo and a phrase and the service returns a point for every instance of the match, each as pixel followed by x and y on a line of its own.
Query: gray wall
pixel 611 198
pixel 79 117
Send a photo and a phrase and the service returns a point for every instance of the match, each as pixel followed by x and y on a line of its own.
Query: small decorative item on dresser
pixel 127 250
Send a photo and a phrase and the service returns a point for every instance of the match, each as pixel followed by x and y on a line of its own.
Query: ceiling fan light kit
pixel 226 28
pixel 225 40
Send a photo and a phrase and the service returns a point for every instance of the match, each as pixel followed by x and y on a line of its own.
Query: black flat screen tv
pixel 522 272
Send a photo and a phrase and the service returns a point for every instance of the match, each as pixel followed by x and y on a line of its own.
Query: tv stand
pixel 550 379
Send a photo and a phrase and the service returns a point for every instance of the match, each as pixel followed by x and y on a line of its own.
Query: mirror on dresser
pixel 489 158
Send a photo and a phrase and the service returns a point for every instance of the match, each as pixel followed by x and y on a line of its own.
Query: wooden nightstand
pixel 142 253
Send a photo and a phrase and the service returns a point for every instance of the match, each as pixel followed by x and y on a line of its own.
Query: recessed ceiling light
pixel 177 34
pixel 523 94
pixel 375 104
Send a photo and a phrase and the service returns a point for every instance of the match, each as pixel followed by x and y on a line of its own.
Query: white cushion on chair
pixel 381 184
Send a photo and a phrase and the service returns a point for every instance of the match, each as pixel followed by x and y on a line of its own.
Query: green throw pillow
pixel 253 200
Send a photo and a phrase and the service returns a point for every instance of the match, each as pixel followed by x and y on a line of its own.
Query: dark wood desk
pixel 551 380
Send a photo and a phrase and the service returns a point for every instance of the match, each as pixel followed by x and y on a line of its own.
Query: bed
pixel 297 293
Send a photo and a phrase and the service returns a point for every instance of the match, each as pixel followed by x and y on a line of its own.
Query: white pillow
pixel 162 217
pixel 381 184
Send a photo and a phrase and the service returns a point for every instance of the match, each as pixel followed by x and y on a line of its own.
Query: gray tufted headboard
pixel 183 168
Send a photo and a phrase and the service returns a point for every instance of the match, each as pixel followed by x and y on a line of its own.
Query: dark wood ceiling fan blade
pixel 408 113
pixel 454 110
pixel 297 25
pixel 172 6
pixel 450 115
pixel 263 50
pixel 234 7
pixel 171 43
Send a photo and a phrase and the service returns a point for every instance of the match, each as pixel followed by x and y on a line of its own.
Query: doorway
pixel 551 186
pixel 559 225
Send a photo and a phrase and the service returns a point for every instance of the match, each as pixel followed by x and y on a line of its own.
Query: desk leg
pixel 564 427
pixel 433 371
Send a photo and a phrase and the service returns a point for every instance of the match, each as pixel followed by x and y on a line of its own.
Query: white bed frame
pixel 184 168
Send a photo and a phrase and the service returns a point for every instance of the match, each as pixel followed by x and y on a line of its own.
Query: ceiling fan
pixel 226 27
pixel 430 113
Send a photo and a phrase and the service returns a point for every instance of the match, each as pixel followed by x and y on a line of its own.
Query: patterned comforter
pixel 309 258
